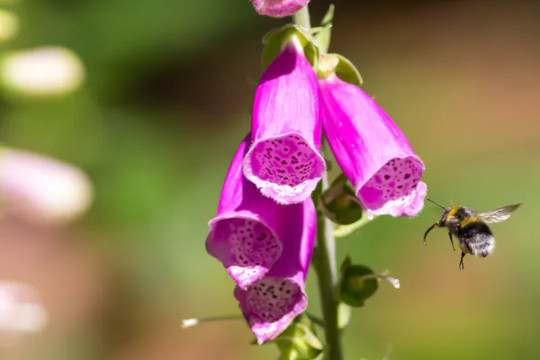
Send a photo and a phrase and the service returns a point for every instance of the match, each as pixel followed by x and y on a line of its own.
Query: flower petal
pixel 278 8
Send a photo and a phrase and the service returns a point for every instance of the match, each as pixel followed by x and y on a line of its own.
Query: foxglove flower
pixel 249 230
pixel 43 71
pixel 278 8
pixel 40 189
pixel 372 151
pixel 284 160
pixel 271 303
pixel 21 311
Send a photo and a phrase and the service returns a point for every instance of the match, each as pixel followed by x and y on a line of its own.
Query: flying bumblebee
pixel 470 228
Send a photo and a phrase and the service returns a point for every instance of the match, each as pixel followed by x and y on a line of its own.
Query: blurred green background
pixel 166 100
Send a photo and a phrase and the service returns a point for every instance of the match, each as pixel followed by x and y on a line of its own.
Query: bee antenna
pixel 442 207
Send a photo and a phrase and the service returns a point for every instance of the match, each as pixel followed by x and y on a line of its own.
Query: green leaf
pixel 275 39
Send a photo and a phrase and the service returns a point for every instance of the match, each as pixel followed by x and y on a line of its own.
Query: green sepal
pixel 340 204
pixel 346 71
pixel 345 264
pixel 299 341
pixel 341 66
pixel 275 39
pixel 322 34
pixel 354 287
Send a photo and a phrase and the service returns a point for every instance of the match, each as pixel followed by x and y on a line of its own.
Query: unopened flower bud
pixel 358 283
pixel 340 204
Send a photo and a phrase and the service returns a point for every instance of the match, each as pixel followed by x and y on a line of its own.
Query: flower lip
pixel 285 167
pixel 245 244
pixel 396 182
pixel 270 304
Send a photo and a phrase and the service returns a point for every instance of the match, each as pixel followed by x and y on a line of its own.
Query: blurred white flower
pixel 21 311
pixel 9 25
pixel 42 71
pixel 41 189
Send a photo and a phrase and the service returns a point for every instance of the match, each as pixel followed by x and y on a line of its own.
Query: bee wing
pixel 498 215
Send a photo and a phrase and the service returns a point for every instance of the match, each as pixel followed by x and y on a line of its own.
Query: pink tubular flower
pixel 21 311
pixel 284 161
pixel 278 8
pixel 41 189
pixel 249 230
pixel 272 302
pixel 372 151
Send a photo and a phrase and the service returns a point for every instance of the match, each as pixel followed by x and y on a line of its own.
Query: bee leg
pixel 461 266
pixel 451 241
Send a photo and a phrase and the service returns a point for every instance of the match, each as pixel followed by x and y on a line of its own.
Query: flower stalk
pixel 324 260
pixel 324 255
pixel 301 17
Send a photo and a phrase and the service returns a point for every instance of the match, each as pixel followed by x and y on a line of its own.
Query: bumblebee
pixel 470 228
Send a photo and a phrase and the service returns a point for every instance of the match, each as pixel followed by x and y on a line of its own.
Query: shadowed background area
pixel 166 100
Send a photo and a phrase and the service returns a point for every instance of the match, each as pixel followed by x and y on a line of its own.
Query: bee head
pixel 441 222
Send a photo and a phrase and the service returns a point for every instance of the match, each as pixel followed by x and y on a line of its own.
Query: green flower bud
pixel 298 341
pixel 358 283
pixel 340 203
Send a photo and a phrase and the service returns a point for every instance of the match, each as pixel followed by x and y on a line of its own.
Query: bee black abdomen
pixel 478 238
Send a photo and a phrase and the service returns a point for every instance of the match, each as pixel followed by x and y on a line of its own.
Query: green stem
pixel 324 256
pixel 324 260
pixel 301 17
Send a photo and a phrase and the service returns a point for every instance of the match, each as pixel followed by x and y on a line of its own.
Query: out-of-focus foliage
pixel 165 101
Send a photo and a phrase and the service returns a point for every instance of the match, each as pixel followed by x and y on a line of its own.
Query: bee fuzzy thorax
pixel 474 236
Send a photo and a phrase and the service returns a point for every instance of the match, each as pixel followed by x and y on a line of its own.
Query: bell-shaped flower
pixel 371 150
pixel 273 301
pixel 285 161
pixel 249 230
pixel 40 189
pixel 278 8
pixel 21 311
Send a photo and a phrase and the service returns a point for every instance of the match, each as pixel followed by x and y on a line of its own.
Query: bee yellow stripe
pixel 469 220
pixel 452 211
